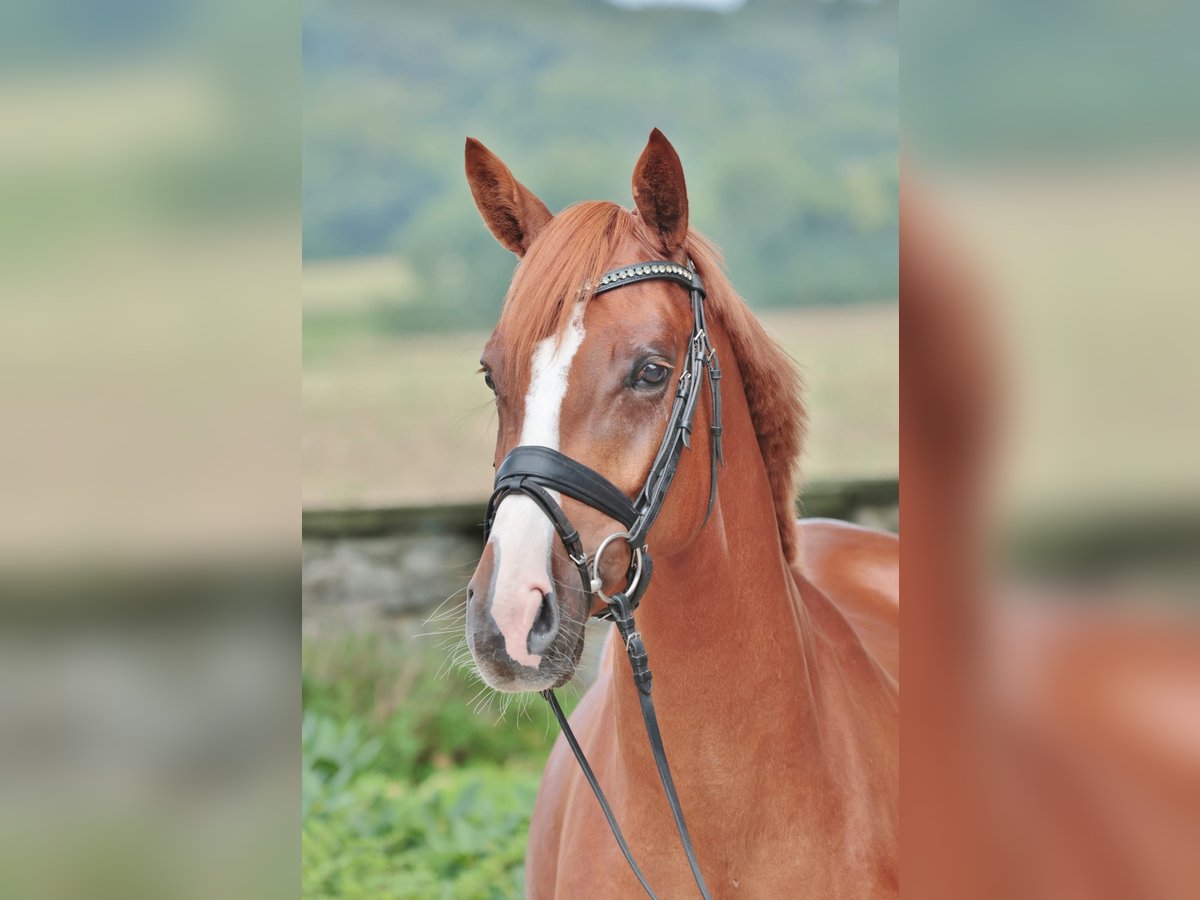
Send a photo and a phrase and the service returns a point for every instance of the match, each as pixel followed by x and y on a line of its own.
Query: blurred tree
pixel 785 114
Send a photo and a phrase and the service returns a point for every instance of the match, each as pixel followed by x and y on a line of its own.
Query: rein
pixel 536 471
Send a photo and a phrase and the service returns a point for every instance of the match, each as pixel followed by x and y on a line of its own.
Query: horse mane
pixel 770 380
pixel 570 255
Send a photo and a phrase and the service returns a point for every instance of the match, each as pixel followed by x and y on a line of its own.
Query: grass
pixel 350 285
pixel 406 420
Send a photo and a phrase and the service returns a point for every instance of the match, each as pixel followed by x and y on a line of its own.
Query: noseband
pixel 537 471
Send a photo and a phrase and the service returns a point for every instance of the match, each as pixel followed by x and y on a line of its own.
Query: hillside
pixel 785 115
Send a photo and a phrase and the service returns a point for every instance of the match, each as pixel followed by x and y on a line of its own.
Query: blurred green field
pixel 393 420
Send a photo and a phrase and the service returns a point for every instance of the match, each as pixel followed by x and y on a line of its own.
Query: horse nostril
pixel 545 626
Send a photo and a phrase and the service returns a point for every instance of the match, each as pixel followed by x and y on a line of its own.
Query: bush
pixel 406 790
pixel 457 834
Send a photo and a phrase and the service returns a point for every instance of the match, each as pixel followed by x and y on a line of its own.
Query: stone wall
pixel 368 568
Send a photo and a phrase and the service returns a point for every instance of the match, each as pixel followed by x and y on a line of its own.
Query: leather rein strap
pixel 538 471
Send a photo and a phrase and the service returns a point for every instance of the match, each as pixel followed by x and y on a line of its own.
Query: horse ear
pixel 512 211
pixel 660 193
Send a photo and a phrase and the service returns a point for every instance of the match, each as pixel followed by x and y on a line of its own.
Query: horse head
pixel 592 376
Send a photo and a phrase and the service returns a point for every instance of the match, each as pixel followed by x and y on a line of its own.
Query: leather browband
pixel 655 270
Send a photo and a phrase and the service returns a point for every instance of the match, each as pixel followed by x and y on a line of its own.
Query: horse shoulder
pixel 859 570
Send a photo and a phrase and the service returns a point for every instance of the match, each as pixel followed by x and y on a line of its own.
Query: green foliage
pixel 387 691
pixel 406 790
pixel 785 115
pixel 458 834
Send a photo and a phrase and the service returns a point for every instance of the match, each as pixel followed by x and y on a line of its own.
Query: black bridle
pixel 536 471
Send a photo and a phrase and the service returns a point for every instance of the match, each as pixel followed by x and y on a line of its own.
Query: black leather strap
pixel 562 525
pixel 595 786
pixel 557 472
pixel 715 429
pixel 701 360
pixel 622 615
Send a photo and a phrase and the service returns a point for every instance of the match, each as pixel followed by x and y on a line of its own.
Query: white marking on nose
pixel 522 534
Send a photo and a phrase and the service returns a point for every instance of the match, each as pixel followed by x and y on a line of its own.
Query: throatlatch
pixel 536 471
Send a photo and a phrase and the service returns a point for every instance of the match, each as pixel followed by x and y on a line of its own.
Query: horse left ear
pixel 660 193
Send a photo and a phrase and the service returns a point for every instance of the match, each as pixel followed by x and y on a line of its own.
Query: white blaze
pixel 522 534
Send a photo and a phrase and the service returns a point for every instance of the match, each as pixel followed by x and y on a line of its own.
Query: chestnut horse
pixel 774 643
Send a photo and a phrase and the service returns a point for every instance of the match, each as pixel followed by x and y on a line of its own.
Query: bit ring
pixel 598 582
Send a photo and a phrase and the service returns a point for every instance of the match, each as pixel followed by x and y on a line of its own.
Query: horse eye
pixel 652 375
pixel 487 379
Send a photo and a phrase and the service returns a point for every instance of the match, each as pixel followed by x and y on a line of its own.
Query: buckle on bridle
pixel 597 582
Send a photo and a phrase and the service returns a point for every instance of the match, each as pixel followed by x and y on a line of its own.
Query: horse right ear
pixel 510 210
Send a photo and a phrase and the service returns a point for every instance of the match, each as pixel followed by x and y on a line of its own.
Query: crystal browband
pixel 656 269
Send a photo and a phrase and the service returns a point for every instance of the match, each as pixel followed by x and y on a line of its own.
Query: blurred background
pixel 149 463
pixel 419 782
pixel 786 118
pixel 150 343
pixel 1051 549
